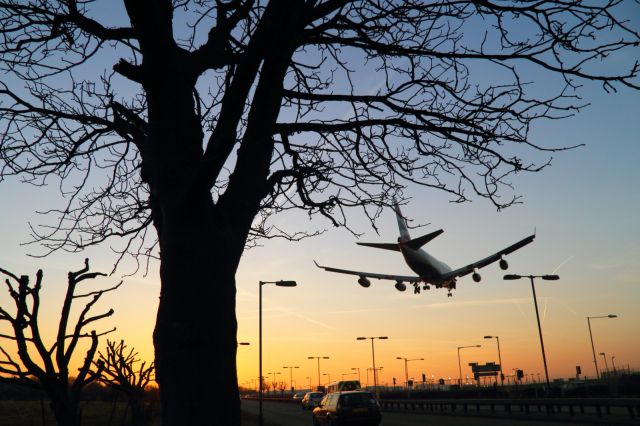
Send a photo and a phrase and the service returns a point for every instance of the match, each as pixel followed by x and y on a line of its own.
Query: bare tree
pixel 119 371
pixel 47 367
pixel 219 114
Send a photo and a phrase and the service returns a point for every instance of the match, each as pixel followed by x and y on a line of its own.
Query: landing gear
pixel 449 294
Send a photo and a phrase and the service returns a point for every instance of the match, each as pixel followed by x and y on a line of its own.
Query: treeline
pixel 14 390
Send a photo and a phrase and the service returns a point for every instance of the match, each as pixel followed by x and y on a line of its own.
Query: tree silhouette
pixel 219 114
pixel 47 367
pixel 119 370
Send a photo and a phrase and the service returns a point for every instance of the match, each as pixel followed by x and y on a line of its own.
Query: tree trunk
pixel 195 334
pixel 65 410
pixel 200 249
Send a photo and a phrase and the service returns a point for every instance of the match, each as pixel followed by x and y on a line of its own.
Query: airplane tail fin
pixel 416 243
pixel 402 224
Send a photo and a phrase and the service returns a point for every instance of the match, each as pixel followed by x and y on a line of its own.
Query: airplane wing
pixel 405 278
pixel 465 270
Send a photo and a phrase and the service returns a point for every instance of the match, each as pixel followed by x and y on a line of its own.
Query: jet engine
pixel 503 264
pixel 476 277
pixel 400 286
pixel 364 282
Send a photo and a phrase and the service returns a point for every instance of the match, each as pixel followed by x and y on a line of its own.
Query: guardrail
pixel 598 407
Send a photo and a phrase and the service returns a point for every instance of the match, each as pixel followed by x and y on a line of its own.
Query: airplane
pixel 430 270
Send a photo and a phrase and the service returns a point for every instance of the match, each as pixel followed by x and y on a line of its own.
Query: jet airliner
pixel 430 271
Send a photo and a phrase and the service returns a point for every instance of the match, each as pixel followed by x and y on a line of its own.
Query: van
pixel 344 385
pixel 347 408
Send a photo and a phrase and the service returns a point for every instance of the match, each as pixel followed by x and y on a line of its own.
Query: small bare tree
pixel 119 371
pixel 281 387
pixel 48 367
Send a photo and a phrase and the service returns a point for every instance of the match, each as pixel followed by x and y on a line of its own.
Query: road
pixel 287 414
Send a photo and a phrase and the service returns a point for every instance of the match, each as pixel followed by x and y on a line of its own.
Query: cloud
pixel 275 311
pixel 608 265
pixel 465 303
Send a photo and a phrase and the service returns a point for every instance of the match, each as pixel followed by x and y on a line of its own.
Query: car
pixel 298 396
pixel 346 408
pixel 310 400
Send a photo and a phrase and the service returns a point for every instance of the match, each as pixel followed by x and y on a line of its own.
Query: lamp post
pixel 613 364
pixel 606 366
pixel 459 365
pixel 328 377
pixel 499 358
pixel 281 283
pixel 309 378
pixel 359 380
pixel 535 302
pixel 348 374
pixel 274 383
pixel 593 349
pixel 291 376
pixel 373 355
pixel 318 358
pixel 406 373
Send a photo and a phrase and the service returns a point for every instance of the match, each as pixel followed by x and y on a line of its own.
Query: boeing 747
pixel 430 271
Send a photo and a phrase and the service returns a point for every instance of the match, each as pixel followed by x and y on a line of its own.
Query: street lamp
pixel 359 380
pixel 291 376
pixel 406 373
pixel 318 358
pixel 243 343
pixel 459 366
pixel 274 380
pixel 348 374
pixel 613 364
pixel 328 377
pixel 606 366
pixel 499 358
pixel 593 349
pixel 535 302
pixel 281 283
pixel 373 354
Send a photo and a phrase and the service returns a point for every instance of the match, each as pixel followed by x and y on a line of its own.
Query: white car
pixel 311 399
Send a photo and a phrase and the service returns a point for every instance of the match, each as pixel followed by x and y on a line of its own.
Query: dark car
pixel 348 408
pixel 311 399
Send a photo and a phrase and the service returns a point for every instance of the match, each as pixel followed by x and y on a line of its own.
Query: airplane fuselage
pixel 422 263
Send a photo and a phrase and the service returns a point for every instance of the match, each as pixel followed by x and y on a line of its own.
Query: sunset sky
pixel 584 209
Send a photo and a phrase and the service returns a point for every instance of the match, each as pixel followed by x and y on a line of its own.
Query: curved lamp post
pixel 281 283
pixel 593 349
pixel 535 302
pixel 499 358
pixel 406 373
pixel 459 365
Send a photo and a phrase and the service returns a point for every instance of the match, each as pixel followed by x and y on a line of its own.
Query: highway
pixel 288 414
